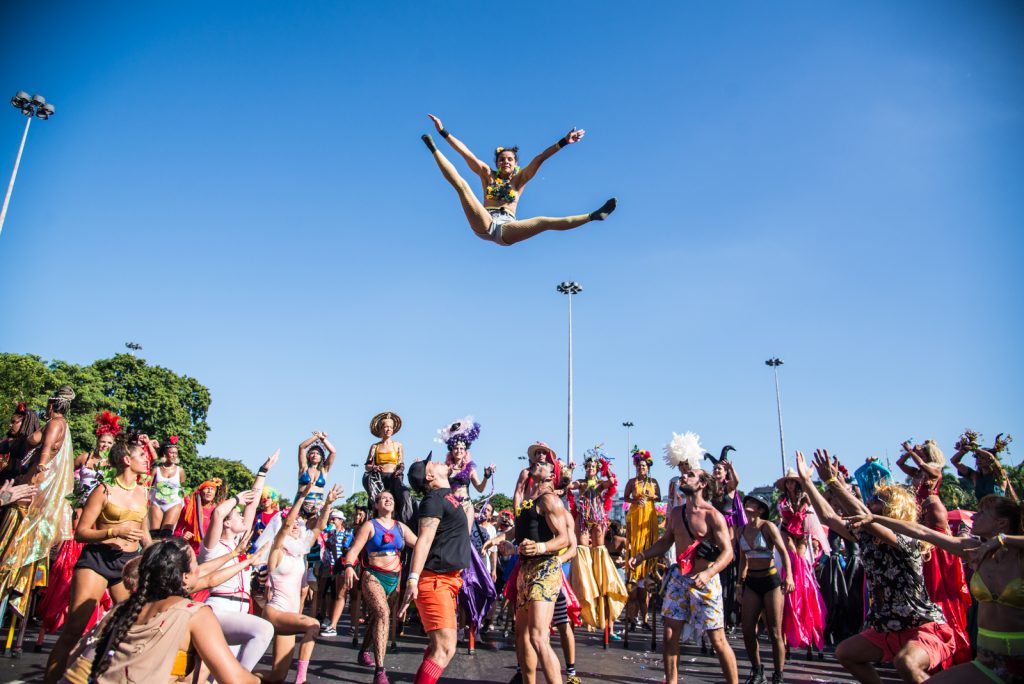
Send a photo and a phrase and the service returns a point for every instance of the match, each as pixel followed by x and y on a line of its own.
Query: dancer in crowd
pixel 592 570
pixel 642 492
pixel 22 436
pixel 196 511
pixel 760 589
pixel 693 591
pixel 943 572
pixel 30 530
pixel 165 500
pixel 803 623
pixel 53 608
pixel 725 498
pixel 383 538
pixel 246 634
pixel 160 634
pixel 113 528
pixel 477 594
pixel 540 534
pixel 338 539
pixel 442 552
pixel 495 220
pixel 385 465
pixel 904 627
pixel 342 541
pixel 314 464
pixel 287 567
pixel 997 584
pixel 990 477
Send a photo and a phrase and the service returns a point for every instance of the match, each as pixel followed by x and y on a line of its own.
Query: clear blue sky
pixel 240 187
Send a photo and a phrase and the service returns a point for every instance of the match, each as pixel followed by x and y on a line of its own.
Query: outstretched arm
pixel 821 507
pixel 527 173
pixel 954 545
pixel 479 168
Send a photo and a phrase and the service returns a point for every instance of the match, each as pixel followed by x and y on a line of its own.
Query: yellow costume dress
pixel 28 531
pixel 642 528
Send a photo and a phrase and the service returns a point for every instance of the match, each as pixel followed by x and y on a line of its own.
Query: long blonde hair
pixel 900 503
pixel 933 454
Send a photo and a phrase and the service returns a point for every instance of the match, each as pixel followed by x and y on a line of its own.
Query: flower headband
pixel 465 431
pixel 107 424
pixel 642 456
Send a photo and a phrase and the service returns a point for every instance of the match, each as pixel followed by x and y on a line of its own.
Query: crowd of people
pixel 142 577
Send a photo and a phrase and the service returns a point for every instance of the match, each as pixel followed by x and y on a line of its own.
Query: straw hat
pixel 790 475
pixel 378 420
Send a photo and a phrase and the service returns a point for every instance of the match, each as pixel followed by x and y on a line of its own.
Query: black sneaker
pixel 776 678
pixel 756 675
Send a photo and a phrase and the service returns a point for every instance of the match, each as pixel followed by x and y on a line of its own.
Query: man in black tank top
pixel 541 534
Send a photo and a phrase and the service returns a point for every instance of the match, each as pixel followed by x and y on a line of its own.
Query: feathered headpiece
pixel 869 476
pixel 596 454
pixel 642 456
pixel 22 408
pixel 107 424
pixel 465 431
pixel 684 448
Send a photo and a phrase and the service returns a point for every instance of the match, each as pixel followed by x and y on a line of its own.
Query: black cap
pixel 418 474
pixel 760 498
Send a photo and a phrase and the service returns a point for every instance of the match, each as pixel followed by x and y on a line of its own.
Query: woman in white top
pixel 165 498
pixel 287 566
pixel 247 635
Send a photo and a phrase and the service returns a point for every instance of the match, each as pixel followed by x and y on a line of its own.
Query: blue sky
pixel 240 187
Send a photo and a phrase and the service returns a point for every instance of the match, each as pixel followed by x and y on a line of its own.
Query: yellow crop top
pixel 1012 595
pixel 112 514
pixel 386 457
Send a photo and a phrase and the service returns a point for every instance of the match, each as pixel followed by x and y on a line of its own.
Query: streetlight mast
pixel 629 426
pixel 36 106
pixel 569 288
pixel 775 362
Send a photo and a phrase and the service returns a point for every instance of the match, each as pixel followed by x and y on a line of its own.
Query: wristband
pixel 1002 539
pixel 413 576
pixel 542 547
pixel 562 143
pixel 110 532
pixel 831 481
pixel 445 133
pixel 262 471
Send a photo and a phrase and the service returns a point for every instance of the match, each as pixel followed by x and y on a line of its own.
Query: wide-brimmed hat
pixel 790 475
pixel 418 474
pixel 761 499
pixel 532 449
pixel 378 419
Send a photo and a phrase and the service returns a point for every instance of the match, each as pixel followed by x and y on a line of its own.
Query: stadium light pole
pixel 569 288
pixel 355 468
pixel 775 362
pixel 34 107
pixel 629 426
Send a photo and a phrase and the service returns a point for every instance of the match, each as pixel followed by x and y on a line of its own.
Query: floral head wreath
pixel 465 431
pixel 642 456
pixel 107 424
pixel 599 458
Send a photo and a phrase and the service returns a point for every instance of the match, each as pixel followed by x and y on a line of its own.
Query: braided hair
pixel 121 450
pixel 161 574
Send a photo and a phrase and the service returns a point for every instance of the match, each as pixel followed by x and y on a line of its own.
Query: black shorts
pixel 763 585
pixel 106 560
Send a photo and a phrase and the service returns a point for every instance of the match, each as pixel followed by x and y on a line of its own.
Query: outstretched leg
pixel 517 231
pixel 479 219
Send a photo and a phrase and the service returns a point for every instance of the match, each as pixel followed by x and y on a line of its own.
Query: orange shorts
pixel 934 638
pixel 435 601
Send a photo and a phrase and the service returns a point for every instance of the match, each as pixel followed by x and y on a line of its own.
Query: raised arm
pixel 249 515
pixel 332 453
pixel 479 168
pixel 477 482
pixel 821 507
pixel 732 480
pixel 303 448
pixel 325 512
pixel 289 520
pixel 961 469
pixel 520 492
pixel 901 462
pixel 527 173
pixel 954 545
pixel 216 527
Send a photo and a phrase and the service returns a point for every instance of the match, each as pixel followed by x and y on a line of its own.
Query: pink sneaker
pixel 366 659
pixel 381 678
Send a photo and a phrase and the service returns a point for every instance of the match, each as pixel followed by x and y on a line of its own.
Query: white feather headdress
pixel 684 448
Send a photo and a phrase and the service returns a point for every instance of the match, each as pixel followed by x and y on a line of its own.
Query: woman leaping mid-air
pixel 495 219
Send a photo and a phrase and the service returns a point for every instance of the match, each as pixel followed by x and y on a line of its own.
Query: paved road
pixel 494 661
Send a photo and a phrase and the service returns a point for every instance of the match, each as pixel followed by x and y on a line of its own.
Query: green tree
pixel 357 500
pixel 499 501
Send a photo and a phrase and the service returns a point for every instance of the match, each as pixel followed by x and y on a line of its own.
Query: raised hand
pixel 243 543
pixel 827 469
pixel 271 460
pixel 334 494
pixel 573 136
pixel 246 496
pixel 978 554
pixel 801 467
pixel 858 520
pixel 437 122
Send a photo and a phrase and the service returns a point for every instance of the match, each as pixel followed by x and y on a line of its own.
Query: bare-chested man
pixel 693 592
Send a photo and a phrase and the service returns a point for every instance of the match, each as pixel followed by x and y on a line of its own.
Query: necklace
pixel 127 489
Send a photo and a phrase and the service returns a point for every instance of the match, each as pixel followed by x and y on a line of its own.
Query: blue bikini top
pixel 304 479
pixel 377 543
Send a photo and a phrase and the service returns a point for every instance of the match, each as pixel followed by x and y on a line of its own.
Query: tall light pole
pixel 775 362
pixel 355 468
pixel 36 106
pixel 629 426
pixel 570 288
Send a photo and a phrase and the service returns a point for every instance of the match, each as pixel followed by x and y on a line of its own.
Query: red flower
pixel 388 537
pixel 173 439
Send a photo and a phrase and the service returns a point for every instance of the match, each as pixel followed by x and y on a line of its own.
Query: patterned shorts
pixel 539 579
pixel 700 610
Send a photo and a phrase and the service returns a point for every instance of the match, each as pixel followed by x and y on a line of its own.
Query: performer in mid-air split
pixel 495 219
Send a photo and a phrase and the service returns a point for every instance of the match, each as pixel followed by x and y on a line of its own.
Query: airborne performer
pixel 495 219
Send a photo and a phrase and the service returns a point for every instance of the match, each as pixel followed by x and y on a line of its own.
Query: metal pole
pixel 14 174
pixel 570 452
pixel 778 404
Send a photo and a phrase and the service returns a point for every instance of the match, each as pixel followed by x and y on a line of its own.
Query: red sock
pixel 428 673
